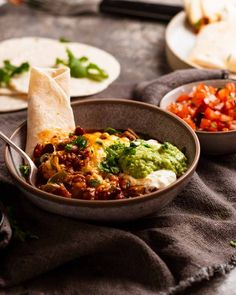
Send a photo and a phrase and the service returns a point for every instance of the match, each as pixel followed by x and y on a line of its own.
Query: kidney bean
pixel 48 148
pixel 79 130
pixel 38 150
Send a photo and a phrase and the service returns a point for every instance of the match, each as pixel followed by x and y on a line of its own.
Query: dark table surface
pixel 139 46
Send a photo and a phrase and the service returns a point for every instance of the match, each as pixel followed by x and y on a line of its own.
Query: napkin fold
pixel 185 243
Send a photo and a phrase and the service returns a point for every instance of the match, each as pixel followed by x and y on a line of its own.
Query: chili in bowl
pixel 106 164
pixel 107 194
pixel 209 107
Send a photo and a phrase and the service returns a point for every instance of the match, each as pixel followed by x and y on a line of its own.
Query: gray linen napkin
pixel 187 242
pixel 153 91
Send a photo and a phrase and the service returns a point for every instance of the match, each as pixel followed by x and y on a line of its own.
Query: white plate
pixel 12 104
pixel 180 40
pixel 20 50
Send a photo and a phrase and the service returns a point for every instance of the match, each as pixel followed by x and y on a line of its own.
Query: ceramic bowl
pixel 213 143
pixel 120 114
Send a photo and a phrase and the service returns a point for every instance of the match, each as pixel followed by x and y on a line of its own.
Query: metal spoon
pixel 28 161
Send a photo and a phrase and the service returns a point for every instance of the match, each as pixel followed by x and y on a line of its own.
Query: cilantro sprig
pixel 80 142
pixel 111 162
pixel 94 182
pixel 9 70
pixel 24 170
pixel 82 67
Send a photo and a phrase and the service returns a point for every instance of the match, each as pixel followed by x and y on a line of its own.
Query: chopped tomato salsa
pixel 207 108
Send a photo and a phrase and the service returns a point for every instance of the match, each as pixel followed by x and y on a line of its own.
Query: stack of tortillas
pixel 215 45
pixel 43 52
pixel 208 10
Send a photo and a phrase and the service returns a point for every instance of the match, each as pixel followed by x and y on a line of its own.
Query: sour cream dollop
pixel 156 180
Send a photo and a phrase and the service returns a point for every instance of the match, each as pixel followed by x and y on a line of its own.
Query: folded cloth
pixel 185 243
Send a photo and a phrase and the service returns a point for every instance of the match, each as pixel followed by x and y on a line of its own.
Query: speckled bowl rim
pixel 107 203
pixel 217 133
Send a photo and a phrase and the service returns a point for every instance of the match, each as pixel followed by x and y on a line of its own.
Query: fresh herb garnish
pixel 94 182
pixel 110 164
pixel 24 170
pixel 80 141
pixel 8 71
pixel 68 147
pixel 114 153
pixel 82 67
pixel 233 243
pixel 64 40
pixel 131 150
pixel 111 131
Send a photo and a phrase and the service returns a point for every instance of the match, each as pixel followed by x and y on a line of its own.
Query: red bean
pixel 79 130
pixel 38 150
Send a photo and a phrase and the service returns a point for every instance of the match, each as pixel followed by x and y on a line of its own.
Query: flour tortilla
pixel 10 103
pixel 193 10
pixel 11 100
pixel 215 46
pixel 49 109
pixel 42 52
pixel 213 10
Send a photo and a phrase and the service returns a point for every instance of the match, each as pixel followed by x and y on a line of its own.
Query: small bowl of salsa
pixel 209 107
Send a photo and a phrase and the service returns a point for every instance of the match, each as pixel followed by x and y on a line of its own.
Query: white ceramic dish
pixel 180 40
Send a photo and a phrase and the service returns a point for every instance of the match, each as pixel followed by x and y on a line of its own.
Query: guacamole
pixel 142 158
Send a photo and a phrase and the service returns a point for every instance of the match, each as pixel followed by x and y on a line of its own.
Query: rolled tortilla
pixel 49 110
